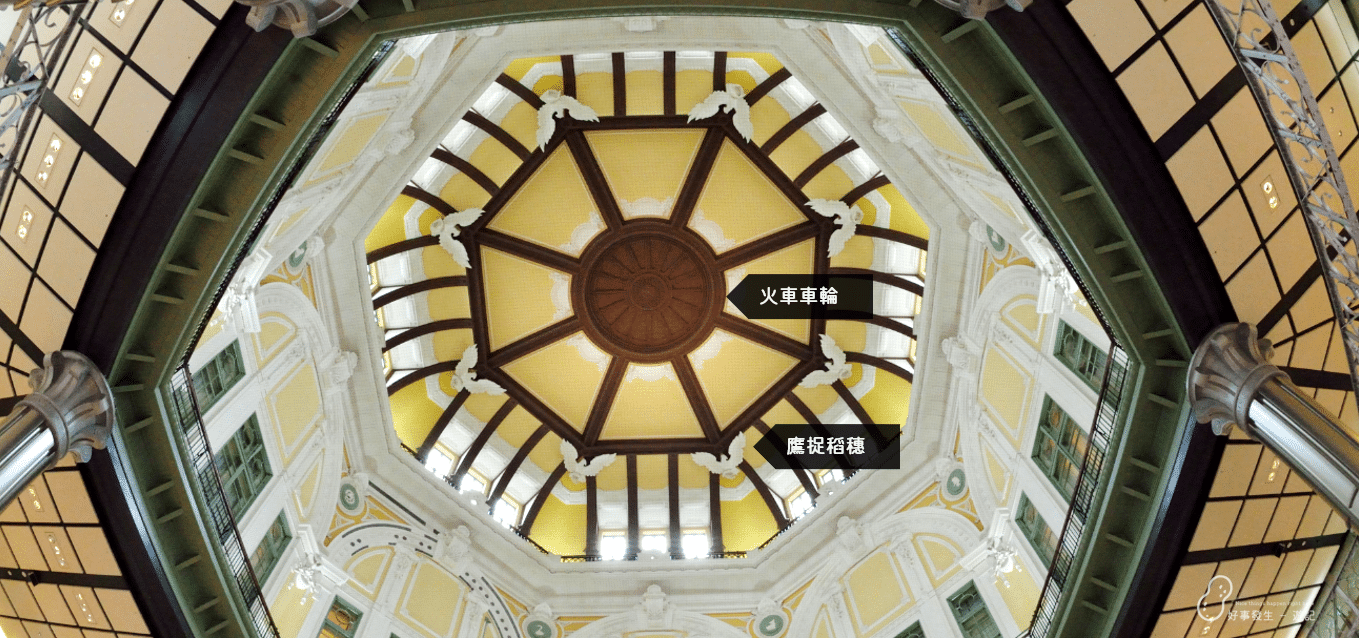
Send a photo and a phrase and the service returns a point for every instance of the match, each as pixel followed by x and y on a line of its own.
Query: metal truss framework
pixel 1265 54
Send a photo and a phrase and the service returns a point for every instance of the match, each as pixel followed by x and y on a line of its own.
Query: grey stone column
pixel 69 410
pixel 1232 383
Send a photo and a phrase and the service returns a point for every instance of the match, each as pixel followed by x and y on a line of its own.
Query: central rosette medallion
pixel 648 292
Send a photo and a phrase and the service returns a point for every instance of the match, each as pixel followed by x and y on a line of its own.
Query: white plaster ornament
pixel 465 379
pixel 729 466
pixel 734 98
pixel 836 368
pixel 448 228
pixel 578 469
pixel 847 220
pixel 555 105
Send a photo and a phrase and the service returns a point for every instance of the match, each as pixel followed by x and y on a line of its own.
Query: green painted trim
pixel 972 65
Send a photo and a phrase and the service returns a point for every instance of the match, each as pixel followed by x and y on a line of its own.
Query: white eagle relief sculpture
pixel 734 98
pixel 465 379
pixel 836 368
pixel 448 228
pixel 847 219
pixel 728 467
pixel 556 105
pixel 579 470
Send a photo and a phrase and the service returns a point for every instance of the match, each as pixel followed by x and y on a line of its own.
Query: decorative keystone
pixel 1226 373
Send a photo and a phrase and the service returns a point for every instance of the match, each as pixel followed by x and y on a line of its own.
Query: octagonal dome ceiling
pixel 577 232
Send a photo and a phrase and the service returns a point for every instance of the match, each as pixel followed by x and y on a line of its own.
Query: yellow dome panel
pixel 734 189
pixel 561 378
pixel 653 406
pixel 645 168
pixel 798 258
pixel 646 93
pixel 737 374
pixel 746 523
pixel 553 208
pixel 518 296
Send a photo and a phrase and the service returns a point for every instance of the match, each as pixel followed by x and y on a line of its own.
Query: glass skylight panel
pixel 654 542
pixel 800 505
pixel 471 483
pixel 613 546
pixel 695 544
pixel 506 513
pixel 439 463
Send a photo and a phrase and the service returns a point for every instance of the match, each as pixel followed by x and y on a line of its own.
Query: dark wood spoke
pixel 715 513
pixel 874 183
pixel 424 329
pixel 515 181
pixel 821 264
pixel 526 527
pixel 769 84
pixel 893 235
pixel 635 122
pixel 890 324
pixel 676 549
pixel 840 150
pixel 516 87
pixel 595 181
pixel 466 167
pixel 776 175
pixel 767 401
pixel 697 399
pixel 697 178
pixel 420 375
pixel 767 245
pixel 881 364
pixel 536 341
pixel 794 125
pixel 591 516
pixel 470 455
pixel 528 250
pixel 720 71
pixel 771 339
pixel 634 509
pixel 608 391
pixel 668 81
pixel 770 500
pixel 569 75
pixel 429 199
pixel 508 474
pixel 620 85
pixel 803 476
pixel 440 425
pixel 407 290
pixel 687 445
pixel 802 409
pixel 535 407
pixel 859 412
pixel 499 134
pixel 882 278
pixel 402 246
pixel 476 301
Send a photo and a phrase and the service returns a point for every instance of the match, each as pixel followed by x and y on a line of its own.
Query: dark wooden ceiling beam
pixel 769 84
pixel 526 527
pixel 475 174
pixel 516 87
pixel 620 85
pixel 890 324
pixel 697 177
pixel 859 412
pixel 803 476
pixel 698 400
pixel 770 500
pixel 668 82
pixel 768 400
pixel 821 265
pixel 535 407
pixel 767 245
pixel 595 181
pixel 422 453
pixel 429 199
pixel 569 75
pixel 528 250
pixel 476 303
pixel 420 375
pixel 873 183
pixel 401 292
pixel 421 330
pixel 687 445
pixel 821 163
pixel 634 510
pixel 539 339
pixel 881 364
pixel 801 407
pixel 764 336
pixel 893 235
pixel 498 134
pixel 673 491
pixel 794 125
pixel 514 182
pixel 720 71
pixel 391 250
pixel 882 278
pixel 715 514
pixel 781 181
pixel 591 516
pixel 508 474
pixel 608 392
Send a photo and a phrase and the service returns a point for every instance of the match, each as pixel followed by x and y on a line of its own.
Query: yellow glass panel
pixel 561 378
pixel 518 296
pixel 735 189
pixel 645 165
pixel 553 208
pixel 651 409
pixel 737 374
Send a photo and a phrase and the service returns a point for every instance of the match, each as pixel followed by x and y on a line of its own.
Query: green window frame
pixel 914 631
pixel 1036 530
pixel 243 466
pixel 342 621
pixel 971 613
pixel 1081 355
pixel 1059 447
pixel 271 548
pixel 218 376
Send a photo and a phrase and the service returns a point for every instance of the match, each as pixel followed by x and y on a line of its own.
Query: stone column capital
pixel 74 398
pixel 1226 373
